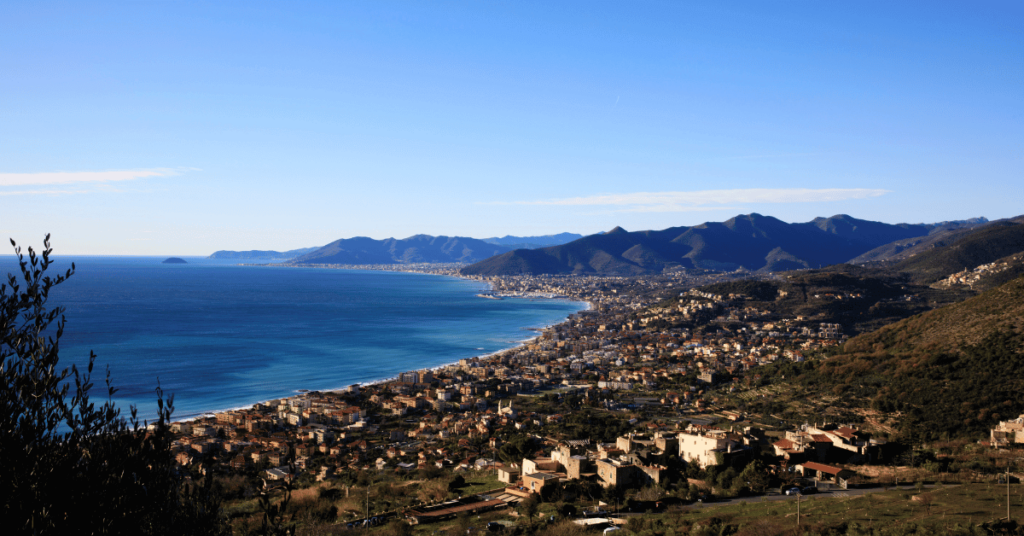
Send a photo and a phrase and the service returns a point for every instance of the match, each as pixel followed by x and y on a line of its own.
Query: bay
pixel 217 335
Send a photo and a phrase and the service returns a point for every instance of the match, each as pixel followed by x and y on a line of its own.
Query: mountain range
pixel 419 248
pixel 415 249
pixel 258 255
pixel 752 242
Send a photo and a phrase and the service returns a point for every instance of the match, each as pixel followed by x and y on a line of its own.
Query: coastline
pixel 430 269
pixel 437 368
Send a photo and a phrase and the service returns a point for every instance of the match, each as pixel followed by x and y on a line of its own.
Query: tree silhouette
pixel 68 465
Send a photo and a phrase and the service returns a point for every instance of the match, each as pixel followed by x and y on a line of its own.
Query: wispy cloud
pixel 706 200
pixel 43 192
pixel 77 177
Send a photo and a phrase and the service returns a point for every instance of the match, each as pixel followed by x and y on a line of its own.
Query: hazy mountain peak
pixel 261 255
pixel 533 242
pixel 416 248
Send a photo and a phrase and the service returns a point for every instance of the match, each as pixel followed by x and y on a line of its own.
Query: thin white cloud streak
pixel 660 208
pixel 45 192
pixel 704 200
pixel 73 177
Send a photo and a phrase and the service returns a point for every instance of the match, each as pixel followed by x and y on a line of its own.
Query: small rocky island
pixel 174 260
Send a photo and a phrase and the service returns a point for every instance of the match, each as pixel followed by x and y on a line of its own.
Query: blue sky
pixel 187 127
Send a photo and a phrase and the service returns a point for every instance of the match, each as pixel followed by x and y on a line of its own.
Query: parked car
pixel 793 491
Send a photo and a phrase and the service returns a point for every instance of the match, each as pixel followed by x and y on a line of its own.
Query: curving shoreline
pixel 587 305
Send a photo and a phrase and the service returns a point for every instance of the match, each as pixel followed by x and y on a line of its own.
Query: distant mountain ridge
pixel 258 255
pixel 752 242
pixel 415 249
pixel 533 242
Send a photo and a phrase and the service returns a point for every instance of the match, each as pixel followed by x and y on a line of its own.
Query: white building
pixel 704 449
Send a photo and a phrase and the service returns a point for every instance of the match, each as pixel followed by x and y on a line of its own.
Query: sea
pixel 218 335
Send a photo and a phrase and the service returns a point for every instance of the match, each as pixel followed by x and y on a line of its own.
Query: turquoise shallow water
pixel 219 336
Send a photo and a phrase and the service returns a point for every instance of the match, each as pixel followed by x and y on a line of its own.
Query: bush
pixel 330 494
pixel 457 482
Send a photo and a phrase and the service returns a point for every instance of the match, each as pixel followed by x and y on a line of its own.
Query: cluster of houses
pixel 969 277
pixel 638 460
pixel 607 355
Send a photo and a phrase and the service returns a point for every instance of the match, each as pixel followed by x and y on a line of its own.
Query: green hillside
pixel 950 372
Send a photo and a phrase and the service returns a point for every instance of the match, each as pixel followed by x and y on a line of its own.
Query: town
pixel 627 406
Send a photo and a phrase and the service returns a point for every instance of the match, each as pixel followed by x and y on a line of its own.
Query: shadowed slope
pixel 977 247
pixel 752 242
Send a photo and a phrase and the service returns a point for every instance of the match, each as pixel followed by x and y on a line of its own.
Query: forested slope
pixel 950 372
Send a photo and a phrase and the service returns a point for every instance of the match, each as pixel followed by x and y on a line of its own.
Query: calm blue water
pixel 220 336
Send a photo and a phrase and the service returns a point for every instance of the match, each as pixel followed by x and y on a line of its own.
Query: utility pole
pixel 1008 460
pixel 798 495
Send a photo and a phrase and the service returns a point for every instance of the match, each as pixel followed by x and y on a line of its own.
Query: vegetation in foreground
pixel 69 465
